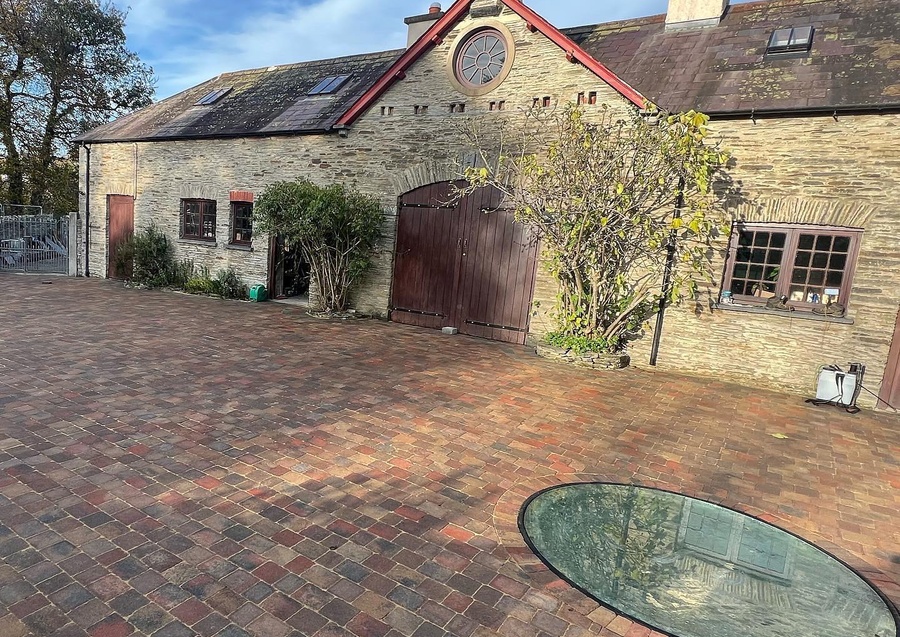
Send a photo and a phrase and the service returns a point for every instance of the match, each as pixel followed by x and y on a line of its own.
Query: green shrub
pixel 200 282
pixel 226 283
pixel 182 272
pixel 124 257
pixel 230 286
pixel 155 267
pixel 581 344
pixel 336 228
pixel 153 260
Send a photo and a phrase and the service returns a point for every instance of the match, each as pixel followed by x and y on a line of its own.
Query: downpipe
pixel 87 211
pixel 668 274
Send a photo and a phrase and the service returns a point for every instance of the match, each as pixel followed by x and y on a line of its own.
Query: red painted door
pixel 121 228
pixel 465 264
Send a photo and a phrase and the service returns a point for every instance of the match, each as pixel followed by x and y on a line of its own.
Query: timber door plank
pixel 121 229
pixel 461 267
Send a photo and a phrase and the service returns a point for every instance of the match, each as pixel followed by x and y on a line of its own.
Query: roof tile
pixel 263 102
pixel 854 61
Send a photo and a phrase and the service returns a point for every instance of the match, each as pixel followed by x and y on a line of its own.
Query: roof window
pixel 329 85
pixel 790 40
pixel 213 96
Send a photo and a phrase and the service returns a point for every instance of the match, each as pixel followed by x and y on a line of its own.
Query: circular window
pixel 481 59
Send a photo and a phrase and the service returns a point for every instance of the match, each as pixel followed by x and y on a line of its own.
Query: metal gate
pixel 34 243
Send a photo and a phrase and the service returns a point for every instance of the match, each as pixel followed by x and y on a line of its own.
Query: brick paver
pixel 175 465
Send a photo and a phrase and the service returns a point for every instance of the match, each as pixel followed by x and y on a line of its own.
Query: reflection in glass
pixel 695 569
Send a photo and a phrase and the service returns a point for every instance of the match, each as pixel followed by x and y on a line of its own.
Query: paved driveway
pixel 175 465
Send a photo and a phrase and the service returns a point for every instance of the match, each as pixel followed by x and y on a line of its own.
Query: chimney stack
pixel 419 24
pixel 690 14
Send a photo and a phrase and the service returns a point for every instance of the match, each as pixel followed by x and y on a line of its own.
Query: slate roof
pixel 854 61
pixel 266 101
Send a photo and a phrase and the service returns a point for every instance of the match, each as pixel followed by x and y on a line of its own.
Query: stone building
pixel 804 93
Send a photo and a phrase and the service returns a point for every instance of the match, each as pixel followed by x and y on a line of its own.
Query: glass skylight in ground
pixel 695 569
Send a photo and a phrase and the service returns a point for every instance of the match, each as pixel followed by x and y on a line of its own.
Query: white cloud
pixel 322 29
pixel 148 18
pixel 268 32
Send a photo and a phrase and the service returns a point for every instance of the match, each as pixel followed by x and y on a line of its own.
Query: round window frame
pixel 463 40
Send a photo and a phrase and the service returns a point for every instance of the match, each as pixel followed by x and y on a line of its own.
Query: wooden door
pixel 466 265
pixel 890 384
pixel 499 267
pixel 426 266
pixel 121 228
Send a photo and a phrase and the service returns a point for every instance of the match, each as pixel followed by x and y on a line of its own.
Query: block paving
pixel 175 466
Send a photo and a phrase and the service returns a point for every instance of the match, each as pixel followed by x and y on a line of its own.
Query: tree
pixel 336 228
pixel 602 196
pixel 64 68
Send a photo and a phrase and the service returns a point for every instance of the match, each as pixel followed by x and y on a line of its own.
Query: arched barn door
pixel 465 264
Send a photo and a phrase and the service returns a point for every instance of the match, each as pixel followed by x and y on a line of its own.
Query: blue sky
pixel 190 41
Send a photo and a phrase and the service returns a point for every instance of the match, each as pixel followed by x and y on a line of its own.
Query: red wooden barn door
pixel 890 384
pixel 426 263
pixel 465 265
pixel 499 266
pixel 121 228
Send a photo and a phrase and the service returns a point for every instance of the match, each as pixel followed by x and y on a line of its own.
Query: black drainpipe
pixel 667 276
pixel 87 212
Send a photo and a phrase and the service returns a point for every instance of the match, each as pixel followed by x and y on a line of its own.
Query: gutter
pixel 834 111
pixel 856 109
pixel 184 138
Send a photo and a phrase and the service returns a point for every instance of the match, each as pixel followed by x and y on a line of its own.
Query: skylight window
pixel 792 40
pixel 213 96
pixel 329 85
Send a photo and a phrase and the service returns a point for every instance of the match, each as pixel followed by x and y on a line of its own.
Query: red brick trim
pixel 242 195
pixel 454 14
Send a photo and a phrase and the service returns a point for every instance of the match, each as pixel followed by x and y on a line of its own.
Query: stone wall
pixel 393 148
pixel 819 170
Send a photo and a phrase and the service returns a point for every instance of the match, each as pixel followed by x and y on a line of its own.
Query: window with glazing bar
pixel 790 40
pixel 241 222
pixel 810 265
pixel 198 219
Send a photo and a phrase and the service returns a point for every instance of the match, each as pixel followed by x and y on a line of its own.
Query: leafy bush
pixel 155 267
pixel 580 344
pixel 226 283
pixel 336 228
pixel 124 257
pixel 230 286
pixel 200 282
pixel 153 259
pixel 182 272
pixel 600 193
